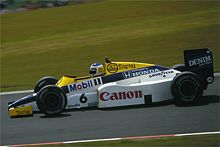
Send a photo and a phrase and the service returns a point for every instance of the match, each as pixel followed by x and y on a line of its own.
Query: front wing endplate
pixel 21 111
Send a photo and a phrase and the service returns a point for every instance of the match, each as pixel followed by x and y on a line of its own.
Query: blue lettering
pixel 79 86
pixel 72 87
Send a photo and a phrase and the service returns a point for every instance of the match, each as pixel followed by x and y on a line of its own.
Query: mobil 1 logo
pixel 84 84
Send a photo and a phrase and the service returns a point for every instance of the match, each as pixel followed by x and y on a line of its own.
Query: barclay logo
pixel 25 112
pixel 201 61
pixel 126 66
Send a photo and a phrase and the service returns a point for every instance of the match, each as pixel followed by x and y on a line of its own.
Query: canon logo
pixel 105 96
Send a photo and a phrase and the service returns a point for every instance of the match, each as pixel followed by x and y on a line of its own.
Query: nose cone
pixel 22 101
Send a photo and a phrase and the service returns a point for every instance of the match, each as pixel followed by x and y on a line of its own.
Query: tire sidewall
pixel 49 80
pixel 43 96
pixel 180 67
pixel 178 84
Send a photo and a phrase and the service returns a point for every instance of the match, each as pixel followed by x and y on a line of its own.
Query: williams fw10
pixel 121 84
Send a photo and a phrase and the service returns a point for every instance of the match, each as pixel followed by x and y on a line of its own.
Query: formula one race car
pixel 121 84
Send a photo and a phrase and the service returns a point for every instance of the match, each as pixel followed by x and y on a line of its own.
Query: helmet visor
pixel 92 71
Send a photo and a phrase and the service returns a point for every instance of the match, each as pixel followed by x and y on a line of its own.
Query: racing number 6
pixel 83 98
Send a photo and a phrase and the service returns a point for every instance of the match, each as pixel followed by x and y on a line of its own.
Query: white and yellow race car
pixel 121 84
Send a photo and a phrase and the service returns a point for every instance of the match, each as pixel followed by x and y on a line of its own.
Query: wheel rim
pixel 188 90
pixel 52 101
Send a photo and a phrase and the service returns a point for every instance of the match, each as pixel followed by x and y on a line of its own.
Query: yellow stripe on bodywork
pixel 65 80
pixel 115 67
pixel 110 68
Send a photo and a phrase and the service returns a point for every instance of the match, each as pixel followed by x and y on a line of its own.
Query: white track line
pixel 203 133
pixel 93 140
pixel 16 92
pixel 115 139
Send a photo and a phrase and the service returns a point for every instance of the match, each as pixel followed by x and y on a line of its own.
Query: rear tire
pixel 44 82
pixel 180 67
pixel 186 88
pixel 51 100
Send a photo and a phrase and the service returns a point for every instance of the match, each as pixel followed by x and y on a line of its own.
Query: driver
pixel 96 69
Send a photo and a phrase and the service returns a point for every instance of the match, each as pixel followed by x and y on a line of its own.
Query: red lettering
pixel 138 93
pixel 130 94
pixel 114 96
pixel 79 86
pixel 122 95
pixel 105 96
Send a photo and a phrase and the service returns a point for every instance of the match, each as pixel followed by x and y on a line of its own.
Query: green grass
pixel 189 141
pixel 66 40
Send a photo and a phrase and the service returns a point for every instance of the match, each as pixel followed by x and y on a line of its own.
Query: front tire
pixel 51 100
pixel 44 82
pixel 186 88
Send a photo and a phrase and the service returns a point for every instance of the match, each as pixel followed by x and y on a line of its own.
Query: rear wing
pixel 200 61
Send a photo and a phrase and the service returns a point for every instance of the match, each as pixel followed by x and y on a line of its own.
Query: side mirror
pixel 107 60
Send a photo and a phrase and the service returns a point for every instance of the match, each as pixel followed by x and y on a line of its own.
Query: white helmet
pixel 96 69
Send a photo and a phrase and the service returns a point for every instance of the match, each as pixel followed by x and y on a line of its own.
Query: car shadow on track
pixel 56 116
pixel 204 100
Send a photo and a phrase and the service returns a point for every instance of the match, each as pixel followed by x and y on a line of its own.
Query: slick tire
pixel 51 100
pixel 180 67
pixel 186 88
pixel 44 82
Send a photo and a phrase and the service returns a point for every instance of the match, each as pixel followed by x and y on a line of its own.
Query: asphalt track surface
pixel 83 124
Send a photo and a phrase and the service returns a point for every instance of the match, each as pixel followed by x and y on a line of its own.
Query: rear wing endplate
pixel 200 61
